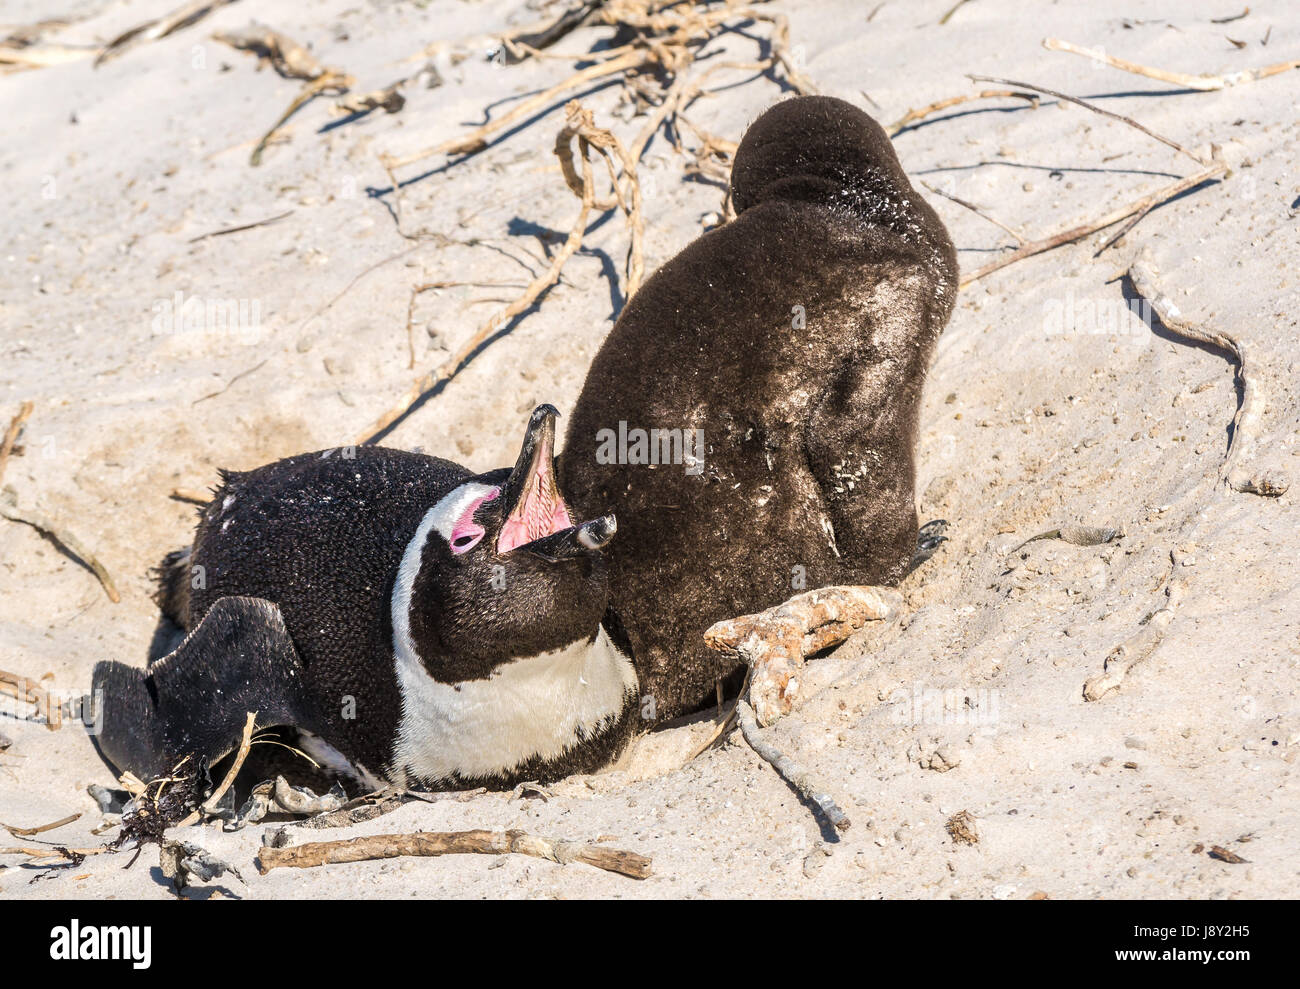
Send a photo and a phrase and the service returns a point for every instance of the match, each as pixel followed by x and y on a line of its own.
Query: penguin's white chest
pixel 533 707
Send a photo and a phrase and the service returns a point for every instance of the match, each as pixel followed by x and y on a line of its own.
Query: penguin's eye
pixel 464 533
pixel 467 541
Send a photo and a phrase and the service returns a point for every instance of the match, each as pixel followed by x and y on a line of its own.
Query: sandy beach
pixel 1049 405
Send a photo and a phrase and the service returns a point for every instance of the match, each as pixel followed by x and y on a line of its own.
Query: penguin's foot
pixel 928 541
pixel 774 643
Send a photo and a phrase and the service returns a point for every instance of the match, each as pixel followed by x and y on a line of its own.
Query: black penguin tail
pixel 173 592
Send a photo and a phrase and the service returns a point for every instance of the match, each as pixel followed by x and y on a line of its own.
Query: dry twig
pixel 480 842
pixel 920 113
pixel 1140 207
pixel 190 13
pixel 241 227
pixel 210 804
pixel 1202 82
pixel 44 524
pixel 39 829
pixel 1096 109
pixel 11 435
pixel 791 771
pixel 1245 421
pixel 329 80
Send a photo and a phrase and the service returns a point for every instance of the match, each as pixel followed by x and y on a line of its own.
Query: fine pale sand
pixel 1047 406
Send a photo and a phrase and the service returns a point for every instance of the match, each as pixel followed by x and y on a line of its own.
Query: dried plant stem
pixel 668 37
pixel 330 79
pixel 27 691
pixel 245 744
pixel 1245 421
pixel 153 30
pixel 791 771
pixel 1142 643
pixel 1096 109
pixel 581 124
pixel 1072 234
pixel 479 842
pixel 477 138
pixel 40 829
pixel 912 116
pixel 43 523
pixel 243 226
pixel 11 435
pixel 1205 83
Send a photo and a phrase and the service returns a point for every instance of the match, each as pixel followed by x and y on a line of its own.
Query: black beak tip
pixel 597 533
pixel 542 413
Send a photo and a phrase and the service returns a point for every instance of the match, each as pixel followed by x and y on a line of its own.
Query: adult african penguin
pixel 794 343
pixel 436 628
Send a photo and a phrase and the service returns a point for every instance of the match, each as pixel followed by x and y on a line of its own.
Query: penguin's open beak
pixel 539 518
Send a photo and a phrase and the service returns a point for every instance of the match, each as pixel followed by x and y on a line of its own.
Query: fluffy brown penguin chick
pixel 752 417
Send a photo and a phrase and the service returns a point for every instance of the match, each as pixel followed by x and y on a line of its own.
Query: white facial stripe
pixel 529 707
pixel 448 511
pixel 442 517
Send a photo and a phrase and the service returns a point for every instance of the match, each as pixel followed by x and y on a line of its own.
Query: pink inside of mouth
pixel 539 513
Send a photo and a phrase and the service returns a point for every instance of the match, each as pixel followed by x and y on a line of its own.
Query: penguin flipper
pixel 195 701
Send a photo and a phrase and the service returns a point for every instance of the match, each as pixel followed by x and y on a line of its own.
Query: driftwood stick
pixel 1201 82
pixel 52 851
pixel 773 643
pixel 1245 421
pixel 791 771
pixel 1096 109
pixel 43 523
pixel 427 843
pixel 1072 234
